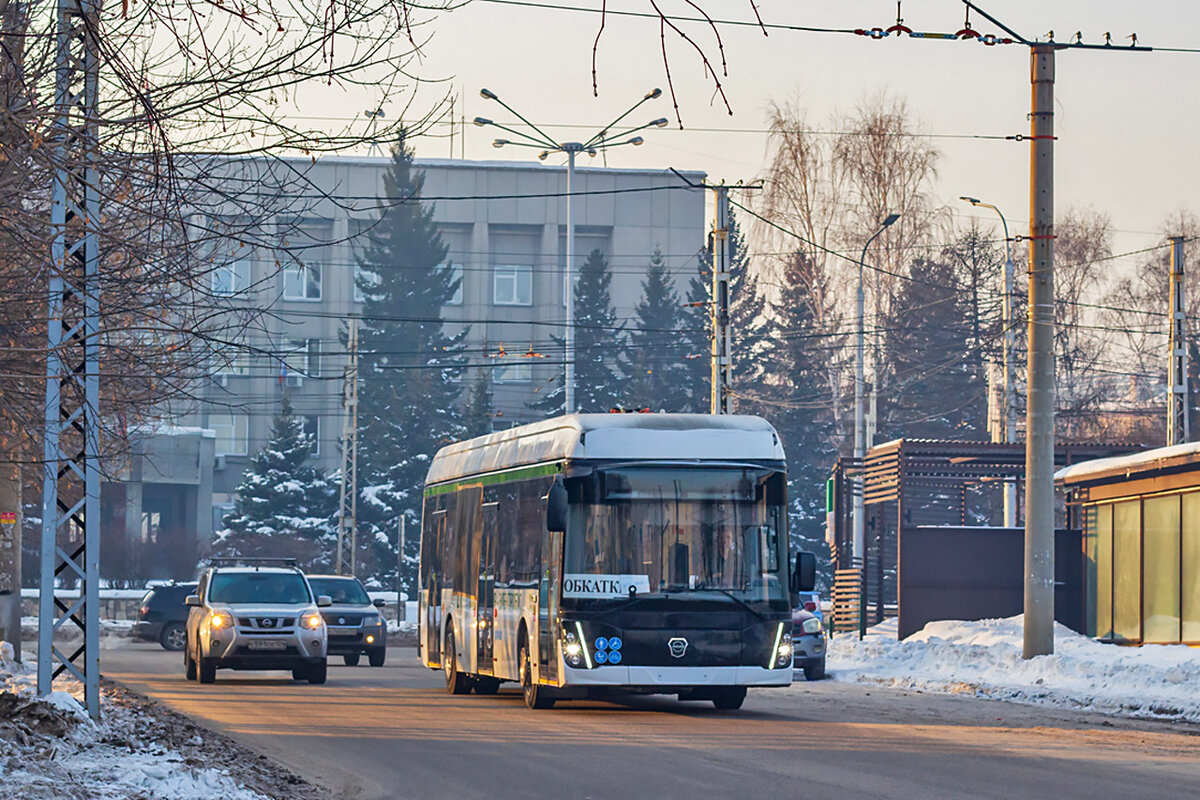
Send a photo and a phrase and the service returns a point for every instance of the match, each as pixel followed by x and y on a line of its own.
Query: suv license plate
pixel 267 644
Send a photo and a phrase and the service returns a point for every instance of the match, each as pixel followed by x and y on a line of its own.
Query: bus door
pixel 548 596
pixel 433 589
pixel 486 629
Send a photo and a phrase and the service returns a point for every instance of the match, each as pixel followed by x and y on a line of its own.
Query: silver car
pixel 255 617
pixel 808 644
pixel 354 622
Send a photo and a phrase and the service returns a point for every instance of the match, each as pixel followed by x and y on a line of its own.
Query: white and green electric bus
pixel 593 553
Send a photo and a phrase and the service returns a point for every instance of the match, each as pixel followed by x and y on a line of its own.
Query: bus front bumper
pixel 664 678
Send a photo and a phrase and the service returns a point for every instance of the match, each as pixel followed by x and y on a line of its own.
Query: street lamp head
pixel 481 121
pixel 891 218
pixel 542 155
pixel 591 151
pixel 500 142
pixel 653 94
pixel 972 200
pixel 661 122
pixel 488 94
pixel 637 140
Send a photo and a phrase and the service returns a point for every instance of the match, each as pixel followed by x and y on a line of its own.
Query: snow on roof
pixel 1145 461
pixel 668 437
pixel 166 429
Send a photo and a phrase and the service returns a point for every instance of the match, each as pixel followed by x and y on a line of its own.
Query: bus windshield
pixel 677 530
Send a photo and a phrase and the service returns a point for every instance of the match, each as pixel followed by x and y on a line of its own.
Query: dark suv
pixel 162 615
pixel 353 620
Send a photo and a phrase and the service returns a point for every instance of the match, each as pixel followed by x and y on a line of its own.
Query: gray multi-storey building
pixel 504 224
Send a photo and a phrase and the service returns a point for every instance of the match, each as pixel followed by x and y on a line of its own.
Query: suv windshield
pixel 346 591
pixel 673 530
pixel 258 587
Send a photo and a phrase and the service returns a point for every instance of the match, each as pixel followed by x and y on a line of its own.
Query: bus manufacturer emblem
pixel 678 646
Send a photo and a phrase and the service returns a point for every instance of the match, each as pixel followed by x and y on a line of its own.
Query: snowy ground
pixel 984 659
pixel 140 750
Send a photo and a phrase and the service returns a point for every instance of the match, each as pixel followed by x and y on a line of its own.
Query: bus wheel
pixel 456 682
pixel 730 698
pixel 535 696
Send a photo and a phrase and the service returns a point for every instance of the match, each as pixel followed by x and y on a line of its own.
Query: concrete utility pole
pixel 722 366
pixel 347 541
pixel 1039 419
pixel 1177 381
pixel 71 452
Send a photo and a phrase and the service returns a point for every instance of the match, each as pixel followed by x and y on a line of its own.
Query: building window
pixel 512 285
pixel 303 357
pixel 456 274
pixel 233 360
pixel 312 427
pixel 512 370
pixel 233 433
pixel 302 282
pixel 231 278
pixel 362 276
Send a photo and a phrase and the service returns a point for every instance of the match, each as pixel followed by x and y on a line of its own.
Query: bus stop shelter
pixel 934 547
pixel 1140 518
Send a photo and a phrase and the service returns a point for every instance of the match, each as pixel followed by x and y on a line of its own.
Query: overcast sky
pixel 1126 121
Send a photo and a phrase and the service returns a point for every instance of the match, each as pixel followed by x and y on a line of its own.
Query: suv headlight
pixel 811 625
pixel 220 620
pixel 311 620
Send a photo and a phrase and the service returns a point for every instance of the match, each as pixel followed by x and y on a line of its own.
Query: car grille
pixel 343 620
pixel 266 624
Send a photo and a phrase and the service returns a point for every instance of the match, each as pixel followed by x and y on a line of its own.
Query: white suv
pixel 255 617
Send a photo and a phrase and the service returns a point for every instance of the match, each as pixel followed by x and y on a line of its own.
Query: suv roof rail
pixel 251 561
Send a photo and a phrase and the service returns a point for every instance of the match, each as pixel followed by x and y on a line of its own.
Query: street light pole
pixel 1010 348
pixel 860 431
pixel 569 287
pixel 604 139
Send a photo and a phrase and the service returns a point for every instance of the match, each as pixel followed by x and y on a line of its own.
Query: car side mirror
pixel 379 603
pixel 192 600
pixel 324 600
pixel 804 575
pixel 556 507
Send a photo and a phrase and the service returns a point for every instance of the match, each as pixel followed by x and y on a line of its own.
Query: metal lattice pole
pixel 722 366
pixel 347 540
pixel 71 476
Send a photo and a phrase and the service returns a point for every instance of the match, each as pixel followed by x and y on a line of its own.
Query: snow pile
pixel 984 658
pixel 49 748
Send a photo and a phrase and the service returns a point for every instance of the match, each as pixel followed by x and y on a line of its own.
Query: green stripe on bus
pixel 493 478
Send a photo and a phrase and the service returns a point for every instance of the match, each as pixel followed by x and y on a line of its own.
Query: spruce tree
pixel 934 392
pixel 798 352
pixel 409 366
pixel 599 345
pixel 283 506
pixel 747 322
pixel 479 410
pixel 659 372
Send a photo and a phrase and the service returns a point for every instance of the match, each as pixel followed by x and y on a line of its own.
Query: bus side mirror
pixel 804 575
pixel 556 507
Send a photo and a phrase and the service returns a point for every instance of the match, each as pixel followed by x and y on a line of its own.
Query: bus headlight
pixel 574 647
pixel 783 653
